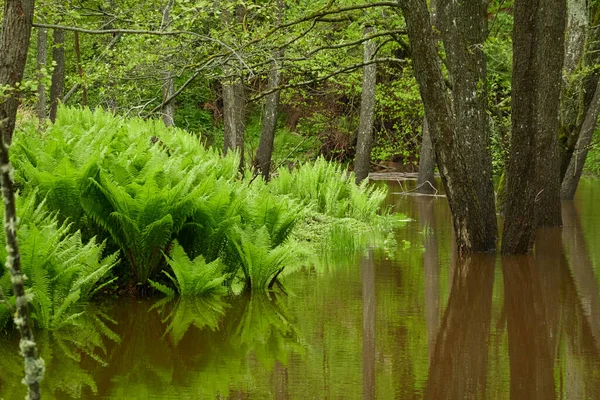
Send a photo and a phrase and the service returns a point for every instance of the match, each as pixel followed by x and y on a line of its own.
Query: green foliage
pixel 63 272
pixel 193 277
pixel 177 210
pixel 326 188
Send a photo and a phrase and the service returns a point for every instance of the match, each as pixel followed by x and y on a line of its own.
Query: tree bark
pixel 168 111
pixel 42 59
pixel 469 195
pixel 14 43
pixel 426 162
pixel 58 75
pixel 581 84
pixel 550 59
pixel 530 105
pixel 16 32
pixel 573 174
pixel 264 153
pixel 367 111
pixel 234 102
pixel 80 71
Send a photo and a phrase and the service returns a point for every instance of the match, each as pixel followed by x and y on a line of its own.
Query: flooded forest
pixel 323 199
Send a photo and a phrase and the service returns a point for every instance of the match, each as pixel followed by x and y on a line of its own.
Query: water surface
pixel 408 324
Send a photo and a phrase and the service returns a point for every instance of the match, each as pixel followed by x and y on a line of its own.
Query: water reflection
pixel 421 324
pixel 459 364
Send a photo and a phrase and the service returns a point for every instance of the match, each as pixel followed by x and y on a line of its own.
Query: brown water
pixel 414 325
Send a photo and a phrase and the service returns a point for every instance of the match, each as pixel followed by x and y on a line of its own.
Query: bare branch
pixel 346 69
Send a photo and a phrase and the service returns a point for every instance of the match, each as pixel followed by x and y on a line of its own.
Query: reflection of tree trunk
pixel 582 269
pixel 431 269
pixel 367 110
pixel 426 162
pixel 58 75
pixel 531 364
pixel 281 381
pixel 575 168
pixel 458 369
pixel 549 262
pixel 42 59
pixel 369 320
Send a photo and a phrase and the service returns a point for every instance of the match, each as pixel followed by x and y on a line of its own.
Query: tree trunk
pixel 58 75
pixel 168 111
pixel 42 59
pixel 14 43
pixel 234 100
pixel 579 91
pixel 550 58
pixel 16 31
pixel 80 70
pixel 573 174
pixel 367 111
pixel 530 105
pixel 464 176
pixel 426 162
pixel 264 153
pixel 577 24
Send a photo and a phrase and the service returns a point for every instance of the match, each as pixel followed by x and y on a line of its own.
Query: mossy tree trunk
pixel 536 37
pixel 466 177
pixel 367 111
pixel 14 43
pixel 58 74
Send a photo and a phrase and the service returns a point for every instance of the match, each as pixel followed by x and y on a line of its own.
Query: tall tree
pixel 14 43
pixel 42 59
pixel 264 153
pixel 168 111
pixel 538 26
pixel 58 74
pixel 465 172
pixel 579 109
pixel 367 110
pixel 550 59
pixel 234 98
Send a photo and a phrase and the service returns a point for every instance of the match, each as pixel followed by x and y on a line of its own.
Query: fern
pixel 194 277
